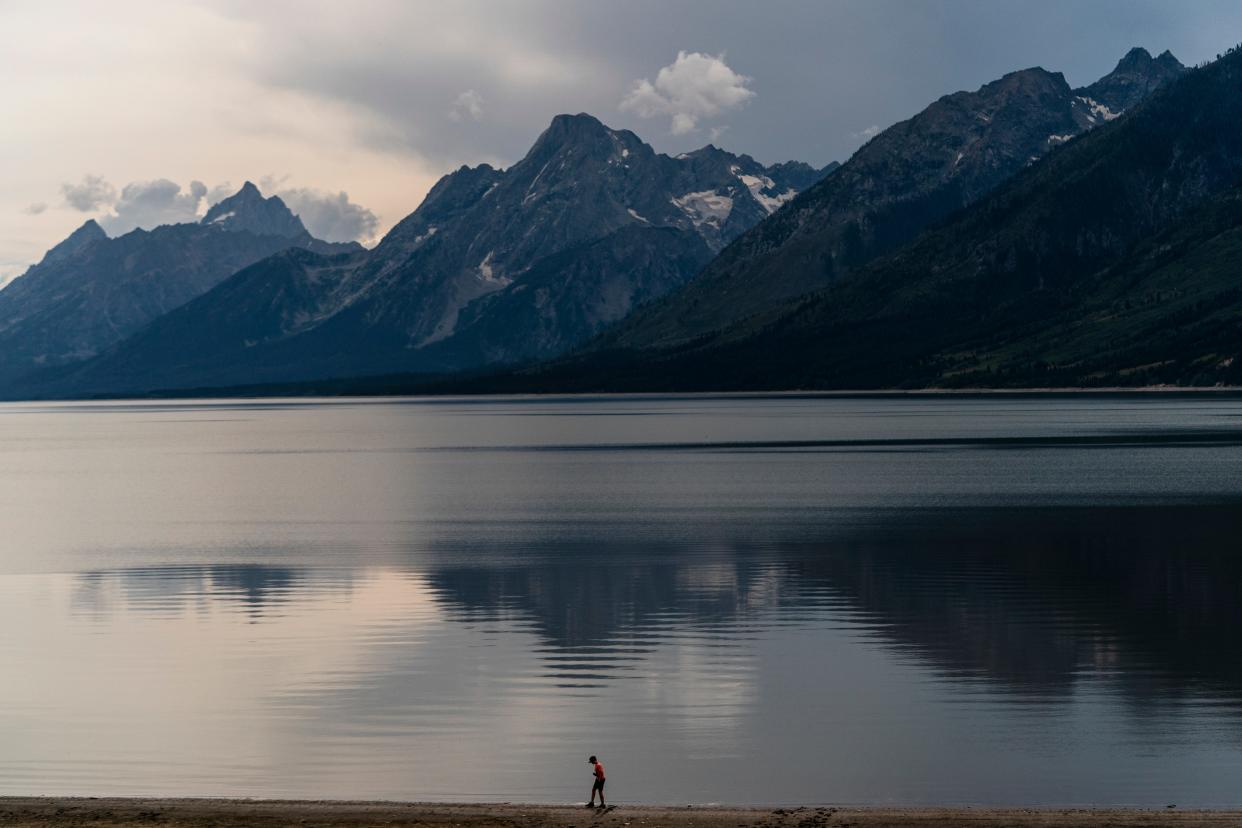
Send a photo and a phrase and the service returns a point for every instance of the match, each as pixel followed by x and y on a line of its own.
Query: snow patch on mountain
pixel 531 192
pixel 705 207
pixel 487 272
pixel 758 183
pixel 1096 110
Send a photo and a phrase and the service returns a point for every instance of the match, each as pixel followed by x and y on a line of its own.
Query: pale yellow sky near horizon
pixel 138 91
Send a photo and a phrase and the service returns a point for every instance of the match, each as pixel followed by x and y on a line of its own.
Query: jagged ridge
pixel 494 266
pixel 908 177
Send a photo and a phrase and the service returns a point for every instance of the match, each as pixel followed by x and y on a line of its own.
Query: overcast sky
pixel 138 113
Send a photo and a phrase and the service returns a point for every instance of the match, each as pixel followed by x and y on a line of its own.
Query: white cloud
pixel 693 87
pixel 91 194
pixel 331 216
pixel 867 134
pixel 220 192
pixel 143 204
pixel 35 209
pixel 468 104
pixel 148 204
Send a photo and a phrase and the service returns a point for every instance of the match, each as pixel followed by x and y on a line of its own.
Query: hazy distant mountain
pixel 908 177
pixel 90 291
pixel 494 266
pixel 1112 261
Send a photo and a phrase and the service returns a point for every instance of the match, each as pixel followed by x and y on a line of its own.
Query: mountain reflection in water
pixel 996 610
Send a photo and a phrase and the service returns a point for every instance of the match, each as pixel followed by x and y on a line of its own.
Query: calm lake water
pixel 795 600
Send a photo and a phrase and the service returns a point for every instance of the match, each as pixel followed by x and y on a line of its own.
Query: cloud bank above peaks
pixel 149 204
pixel 89 194
pixel 330 216
pixel 692 88
pixel 143 204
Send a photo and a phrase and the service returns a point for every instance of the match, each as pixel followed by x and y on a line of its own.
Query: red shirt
pixel 599 771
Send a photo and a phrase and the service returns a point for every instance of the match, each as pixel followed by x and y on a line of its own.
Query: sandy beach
pixel 226 813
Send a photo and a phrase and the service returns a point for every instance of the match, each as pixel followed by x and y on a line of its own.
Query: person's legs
pixel 600 785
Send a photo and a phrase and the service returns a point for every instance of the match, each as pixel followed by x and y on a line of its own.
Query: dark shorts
pixel 599 785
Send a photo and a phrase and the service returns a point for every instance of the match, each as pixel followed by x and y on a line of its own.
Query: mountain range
pixel 1026 233
pixel 495 266
pixel 912 175
pixel 1111 262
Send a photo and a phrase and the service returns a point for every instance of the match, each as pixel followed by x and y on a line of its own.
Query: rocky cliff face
pixel 573 294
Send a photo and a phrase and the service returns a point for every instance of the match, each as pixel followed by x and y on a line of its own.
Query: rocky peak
pixel 88 233
pixel 452 196
pixel 1036 78
pixel 975 138
pixel 579 142
pixel 1166 60
pixel 956 121
pixel 710 151
pixel 571 131
pixel 248 211
pixel 459 190
pixel 1136 59
pixel 1135 77
pixel 1034 86
pixel 801 174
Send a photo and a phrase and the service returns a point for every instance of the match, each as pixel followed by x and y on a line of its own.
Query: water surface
pixel 740 600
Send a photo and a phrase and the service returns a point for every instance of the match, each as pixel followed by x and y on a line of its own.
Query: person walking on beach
pixel 598 771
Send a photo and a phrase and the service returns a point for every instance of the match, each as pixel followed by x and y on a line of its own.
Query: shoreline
pixel 247 395
pixel 113 812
